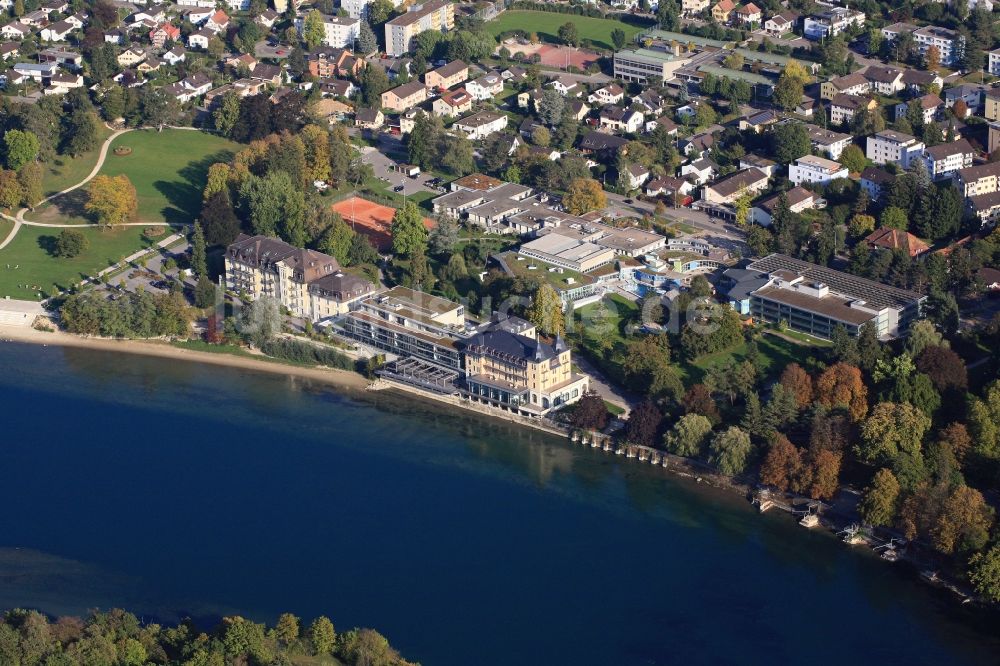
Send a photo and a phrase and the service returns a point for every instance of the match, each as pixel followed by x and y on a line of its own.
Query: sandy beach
pixel 340 378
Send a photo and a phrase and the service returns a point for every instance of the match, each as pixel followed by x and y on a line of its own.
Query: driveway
pixel 264 50
pixel 383 167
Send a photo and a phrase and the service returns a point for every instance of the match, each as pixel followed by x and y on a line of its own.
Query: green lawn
pixel 39 272
pixel 773 355
pixel 67 171
pixel 546 26
pixel 168 170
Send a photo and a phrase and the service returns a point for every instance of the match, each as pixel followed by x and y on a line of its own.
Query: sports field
pixel 371 219
pixel 546 26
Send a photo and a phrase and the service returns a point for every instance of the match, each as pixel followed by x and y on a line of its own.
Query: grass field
pixel 773 354
pixel 168 170
pixel 39 274
pixel 546 26
pixel 67 171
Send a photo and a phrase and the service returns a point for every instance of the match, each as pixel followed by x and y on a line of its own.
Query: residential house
pixel 577 109
pixel 831 22
pixel 929 105
pixel 197 15
pixel 970 94
pixel 480 125
pixel 781 24
pixel 945 159
pixel 270 74
pixel 369 118
pixel 827 141
pixel 601 144
pixel 700 171
pixel 268 18
pixel 752 161
pixel 485 87
pixel 131 57
pixel 452 103
pixel 671 188
pixel 405 96
pixel 844 107
pixel 633 176
pixel 876 182
pixel 447 76
pixel 565 86
pixel 918 81
pixel 885 80
pixel 885 238
pixel 326 62
pixel 749 14
pixel 851 84
pixel 174 55
pixel 732 187
pixel 662 121
pixel 607 95
pixel 199 39
pixel 759 121
pixel 163 33
pixel 16 30
pixel 10 51
pixel 817 170
pixel 798 200
pixel 56 32
pixel 721 11
pixel 693 7
pixel 618 119
pixel 218 21
pixel 890 146
pixel 696 145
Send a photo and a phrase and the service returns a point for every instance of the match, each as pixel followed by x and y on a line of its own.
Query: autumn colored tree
pixel 945 368
pixel 781 464
pixel 546 311
pixel 287 628
pixel 956 437
pixel 842 385
pixel 688 436
pixel 642 424
pixel 30 176
pixel 964 522
pixel 932 58
pixel 824 474
pixel 322 636
pixel 730 450
pixel 11 192
pixel 799 383
pixel 861 225
pixel 590 412
pixel 584 195
pixel 112 199
pixel 891 429
pixel 880 500
pixel 698 400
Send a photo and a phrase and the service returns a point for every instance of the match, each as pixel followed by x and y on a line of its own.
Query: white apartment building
pixel 948 42
pixel 945 159
pixel 831 22
pixel 359 8
pixel 339 32
pixel 813 169
pixel 892 146
pixel 978 180
pixel 432 15
pixel 993 65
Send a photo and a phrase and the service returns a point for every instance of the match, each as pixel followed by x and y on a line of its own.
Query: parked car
pixel 399 188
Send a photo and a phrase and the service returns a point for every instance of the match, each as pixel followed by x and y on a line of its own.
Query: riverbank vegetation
pixel 900 421
pixel 28 638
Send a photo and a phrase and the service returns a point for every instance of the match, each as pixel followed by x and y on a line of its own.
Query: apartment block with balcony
pixel 431 15
pixel 892 146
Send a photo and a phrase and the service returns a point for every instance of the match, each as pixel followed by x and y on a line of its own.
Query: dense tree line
pixel 126 314
pixel 29 638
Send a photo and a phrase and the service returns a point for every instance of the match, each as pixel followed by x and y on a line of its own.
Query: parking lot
pixel 384 169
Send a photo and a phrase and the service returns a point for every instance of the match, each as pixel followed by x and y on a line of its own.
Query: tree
pixel 984 573
pixel 889 430
pixel 275 206
pixel 227 113
pixel 456 155
pixel 21 147
pixel 584 195
pixel 112 199
pixel 964 522
pixel 590 412
pixel 408 230
pixel 199 260
pixel 30 177
pixel 789 90
pixel 550 106
pixel 367 42
pixel 781 464
pixel 730 450
pixel 790 141
pixel 540 136
pixel 861 225
pixel 443 237
pixel 842 385
pixel 984 421
pixel 569 34
pixel 71 243
pixel 688 436
pixel 322 636
pixel 853 158
pixel 880 500
pixel 642 424
pixel 287 628
pixel 379 11
pixel 261 319
pixel 374 82
pixel 337 241
pixel 219 220
pixel 362 251
pixel 423 142
pixel 546 311
pixel 11 193
pixel 798 383
pixel 618 38
pixel 759 240
pixel 313 30
pixel 932 59
pixel 945 368
pixel 82 128
pixel 698 400
pixel 824 474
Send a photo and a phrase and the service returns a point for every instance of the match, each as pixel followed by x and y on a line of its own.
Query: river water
pixel 178 489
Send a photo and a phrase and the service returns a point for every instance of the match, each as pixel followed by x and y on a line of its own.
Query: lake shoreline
pixel 345 379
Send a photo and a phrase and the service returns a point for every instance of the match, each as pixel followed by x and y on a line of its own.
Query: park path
pixel 18 218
